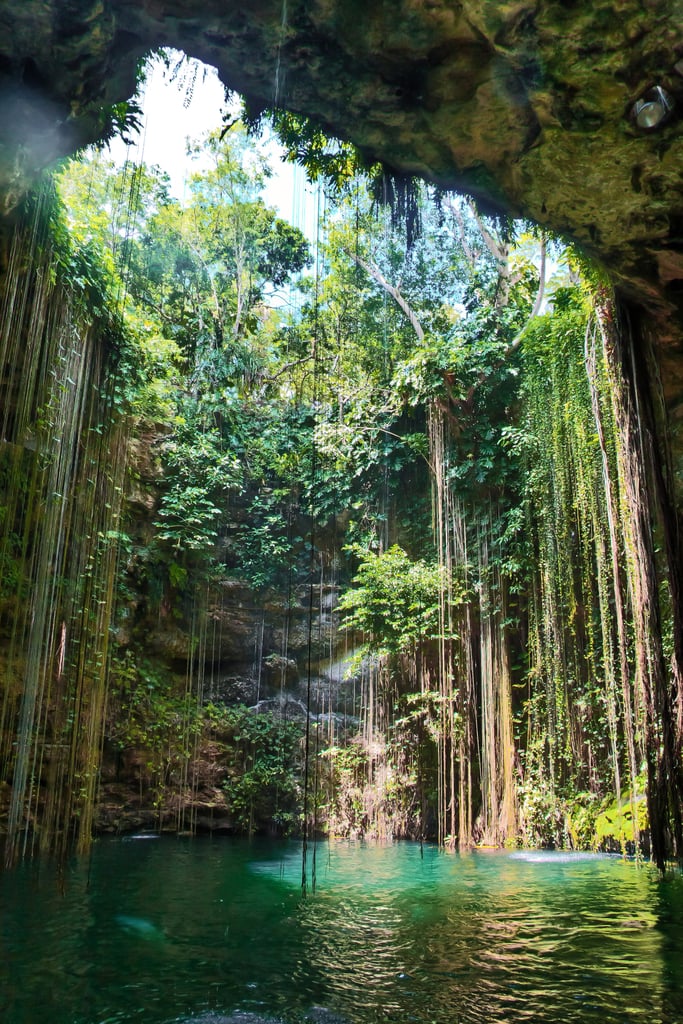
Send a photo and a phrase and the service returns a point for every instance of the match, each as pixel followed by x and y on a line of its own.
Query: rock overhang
pixel 527 104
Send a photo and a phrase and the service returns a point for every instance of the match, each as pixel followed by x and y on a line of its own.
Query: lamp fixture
pixel 653 108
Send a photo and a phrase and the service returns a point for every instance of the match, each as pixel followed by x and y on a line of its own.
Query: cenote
pixel 353 512
pixel 162 930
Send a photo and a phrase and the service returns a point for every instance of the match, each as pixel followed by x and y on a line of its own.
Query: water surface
pixel 170 930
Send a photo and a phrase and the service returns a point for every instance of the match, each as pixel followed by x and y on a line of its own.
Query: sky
pixel 172 115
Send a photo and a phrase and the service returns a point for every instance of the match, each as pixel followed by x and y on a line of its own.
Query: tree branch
pixel 497 249
pixel 376 274
pixel 538 301
pixel 459 220
pixel 287 367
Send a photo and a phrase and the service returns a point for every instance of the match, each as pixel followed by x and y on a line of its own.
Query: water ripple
pixel 219 932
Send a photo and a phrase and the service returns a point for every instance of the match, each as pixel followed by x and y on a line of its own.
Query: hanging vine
pixel 63 459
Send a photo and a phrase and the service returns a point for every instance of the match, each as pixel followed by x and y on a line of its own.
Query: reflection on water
pixel 217 931
pixel 554 856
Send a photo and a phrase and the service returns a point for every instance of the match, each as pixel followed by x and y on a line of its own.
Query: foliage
pixel 200 472
pixel 263 765
pixel 410 407
pixel 376 795
pixel 124 119
pixel 266 546
pixel 205 266
pixel 543 817
pixel 614 824
pixel 394 602
pixel 338 163
pixel 149 714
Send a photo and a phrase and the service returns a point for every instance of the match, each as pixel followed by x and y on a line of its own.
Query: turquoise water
pixel 162 930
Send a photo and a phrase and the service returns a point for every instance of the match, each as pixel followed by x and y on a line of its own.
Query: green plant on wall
pixel 149 714
pixel 263 759
pixel 394 601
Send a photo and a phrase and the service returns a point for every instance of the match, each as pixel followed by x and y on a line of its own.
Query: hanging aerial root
pixel 636 452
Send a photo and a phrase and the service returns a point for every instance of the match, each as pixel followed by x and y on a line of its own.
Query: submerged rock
pixel 140 927
pixel 236 1017
pixel 321 1015
pixel 316 1015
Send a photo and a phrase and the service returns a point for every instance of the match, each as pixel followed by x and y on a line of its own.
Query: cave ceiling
pixel 528 105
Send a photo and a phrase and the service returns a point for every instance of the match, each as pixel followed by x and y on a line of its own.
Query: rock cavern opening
pixel 243 571
pixel 367 532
